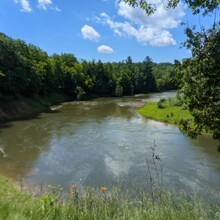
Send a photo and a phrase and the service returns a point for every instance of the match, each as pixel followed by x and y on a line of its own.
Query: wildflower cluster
pixel 73 191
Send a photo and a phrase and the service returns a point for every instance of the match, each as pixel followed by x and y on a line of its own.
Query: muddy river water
pixel 106 142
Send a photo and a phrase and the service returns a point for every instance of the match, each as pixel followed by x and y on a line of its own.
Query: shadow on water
pixel 4 125
pixel 8 123
pixel 22 142
pixel 204 144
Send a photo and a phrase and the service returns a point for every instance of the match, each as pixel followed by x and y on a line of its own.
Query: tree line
pixel 27 70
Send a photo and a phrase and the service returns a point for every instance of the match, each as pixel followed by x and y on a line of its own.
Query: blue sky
pixel 98 29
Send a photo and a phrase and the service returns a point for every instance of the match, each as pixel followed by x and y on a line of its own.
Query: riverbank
pixel 165 112
pixel 102 203
pixel 19 108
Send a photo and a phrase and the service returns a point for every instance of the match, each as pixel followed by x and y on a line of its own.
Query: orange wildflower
pixel 103 188
pixel 74 187
pixel 72 194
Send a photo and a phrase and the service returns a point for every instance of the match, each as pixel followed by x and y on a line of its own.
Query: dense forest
pixel 26 71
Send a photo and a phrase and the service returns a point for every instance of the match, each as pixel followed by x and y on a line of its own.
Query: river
pixel 105 142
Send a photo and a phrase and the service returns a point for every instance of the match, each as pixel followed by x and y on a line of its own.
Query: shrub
pixel 162 103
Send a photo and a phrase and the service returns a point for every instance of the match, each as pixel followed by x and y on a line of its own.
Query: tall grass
pixel 104 203
pixel 99 204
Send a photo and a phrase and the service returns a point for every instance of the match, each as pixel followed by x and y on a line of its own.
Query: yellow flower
pixel 74 187
pixel 103 188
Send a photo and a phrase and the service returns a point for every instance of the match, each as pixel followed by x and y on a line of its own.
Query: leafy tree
pixel 140 85
pixel 200 78
pixel 118 90
pixel 13 65
pixel 26 70
pixel 196 5
pixel 59 78
pixel 80 93
pixel 101 79
pixel 161 85
pixel 147 68
pixel 129 60
pixel 165 76
pixel 199 75
pixel 125 82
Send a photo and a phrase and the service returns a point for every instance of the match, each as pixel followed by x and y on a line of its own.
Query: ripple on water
pixel 104 141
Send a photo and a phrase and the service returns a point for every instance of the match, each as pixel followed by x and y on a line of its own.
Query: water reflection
pixel 105 142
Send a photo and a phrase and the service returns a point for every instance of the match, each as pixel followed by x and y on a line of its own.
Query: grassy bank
pixel 105 204
pixel 165 112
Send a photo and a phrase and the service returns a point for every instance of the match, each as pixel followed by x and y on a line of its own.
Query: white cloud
pixel 105 49
pixel 25 5
pixel 161 18
pixel 56 9
pixel 47 4
pixel 153 29
pixel 44 4
pixel 89 33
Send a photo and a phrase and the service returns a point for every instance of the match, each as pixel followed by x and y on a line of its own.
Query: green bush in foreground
pixel 105 204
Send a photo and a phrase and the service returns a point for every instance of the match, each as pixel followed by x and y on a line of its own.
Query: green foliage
pixel 200 81
pixel 160 84
pixel 196 6
pixel 166 110
pixel 161 103
pixel 26 70
pixel 165 76
pixel 118 90
pixel 80 93
pixel 176 101
pixel 199 76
